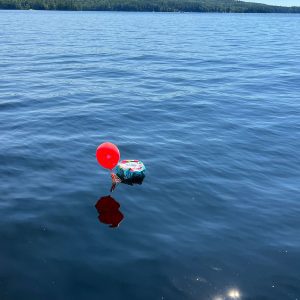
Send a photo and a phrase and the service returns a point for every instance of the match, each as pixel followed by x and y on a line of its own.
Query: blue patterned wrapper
pixel 131 171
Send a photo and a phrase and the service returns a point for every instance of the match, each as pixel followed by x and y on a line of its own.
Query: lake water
pixel 209 103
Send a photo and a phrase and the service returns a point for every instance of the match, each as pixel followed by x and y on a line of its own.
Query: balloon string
pixel 115 180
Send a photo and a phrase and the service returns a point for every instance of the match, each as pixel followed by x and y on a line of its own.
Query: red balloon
pixel 108 155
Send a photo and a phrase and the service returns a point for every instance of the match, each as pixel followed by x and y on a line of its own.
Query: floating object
pixel 108 155
pixel 128 171
pixel 109 213
pixel 131 171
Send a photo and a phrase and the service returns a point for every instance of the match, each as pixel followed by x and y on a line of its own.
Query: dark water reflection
pixel 109 211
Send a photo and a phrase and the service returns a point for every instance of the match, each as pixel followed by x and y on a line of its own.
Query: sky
pixel 278 2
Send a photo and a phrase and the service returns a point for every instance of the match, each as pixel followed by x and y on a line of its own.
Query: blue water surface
pixel 209 103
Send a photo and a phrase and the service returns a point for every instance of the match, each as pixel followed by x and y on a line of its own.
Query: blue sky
pixel 278 2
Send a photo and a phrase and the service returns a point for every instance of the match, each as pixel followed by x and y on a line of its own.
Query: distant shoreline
pixel 148 11
pixel 175 6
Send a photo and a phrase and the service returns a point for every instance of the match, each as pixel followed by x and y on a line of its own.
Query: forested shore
pixel 222 6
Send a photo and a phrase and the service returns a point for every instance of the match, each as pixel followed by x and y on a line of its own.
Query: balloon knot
pixel 115 180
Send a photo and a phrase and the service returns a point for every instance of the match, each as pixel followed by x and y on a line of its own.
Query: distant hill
pixel 226 6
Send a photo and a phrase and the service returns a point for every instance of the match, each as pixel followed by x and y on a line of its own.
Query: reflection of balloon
pixel 109 213
pixel 108 155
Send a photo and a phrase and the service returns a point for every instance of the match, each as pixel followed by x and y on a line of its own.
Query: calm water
pixel 210 104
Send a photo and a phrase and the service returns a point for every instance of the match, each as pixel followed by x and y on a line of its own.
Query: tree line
pixel 224 6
